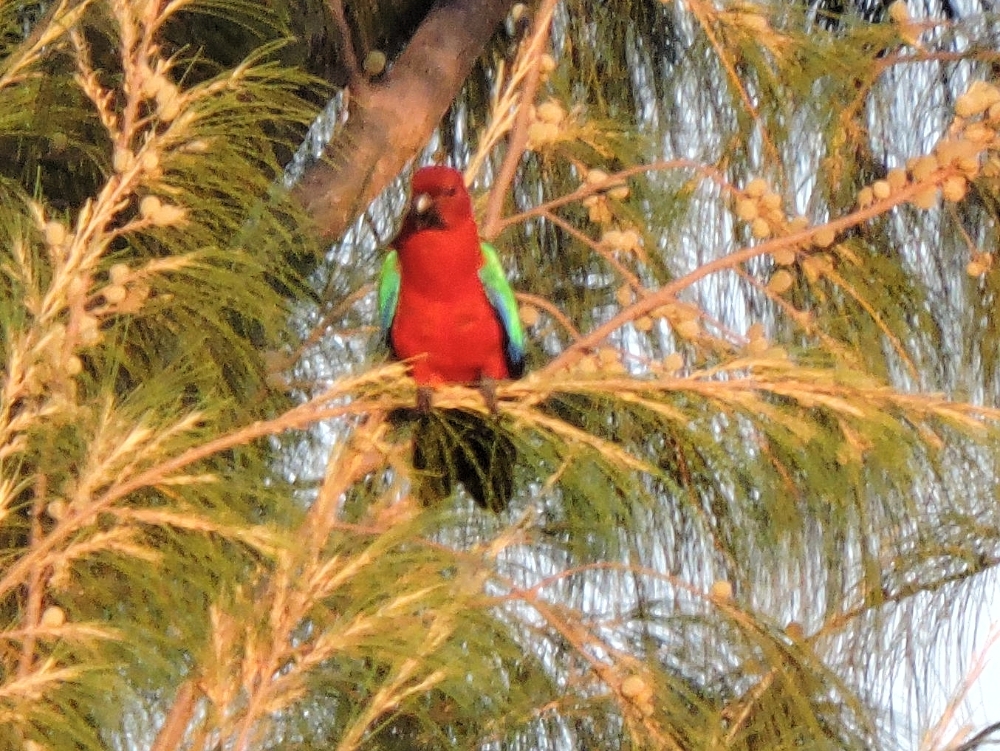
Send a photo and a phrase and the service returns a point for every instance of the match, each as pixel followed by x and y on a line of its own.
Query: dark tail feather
pixel 451 446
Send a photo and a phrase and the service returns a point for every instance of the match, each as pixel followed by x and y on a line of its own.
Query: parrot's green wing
pixel 501 297
pixel 388 293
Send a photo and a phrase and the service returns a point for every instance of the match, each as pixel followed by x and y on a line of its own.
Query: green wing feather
pixel 388 292
pixel 501 297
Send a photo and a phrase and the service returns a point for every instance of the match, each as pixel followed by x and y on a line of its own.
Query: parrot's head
pixel 438 199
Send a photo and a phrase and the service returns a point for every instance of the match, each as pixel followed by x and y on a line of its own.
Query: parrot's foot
pixel 424 394
pixel 488 388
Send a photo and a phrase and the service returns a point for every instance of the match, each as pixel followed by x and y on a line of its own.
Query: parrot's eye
pixel 449 191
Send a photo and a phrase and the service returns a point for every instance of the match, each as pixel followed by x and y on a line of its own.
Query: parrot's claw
pixel 488 388
pixel 424 394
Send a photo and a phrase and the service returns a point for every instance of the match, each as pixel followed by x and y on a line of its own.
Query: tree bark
pixel 392 119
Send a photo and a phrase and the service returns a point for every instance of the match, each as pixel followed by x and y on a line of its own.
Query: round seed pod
pixel 747 209
pixel 954 188
pixel 881 189
pixel 760 228
pixel 756 188
pixel 721 590
pixel 824 237
pixel 781 282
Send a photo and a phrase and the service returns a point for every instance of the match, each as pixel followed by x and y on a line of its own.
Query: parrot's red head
pixel 438 200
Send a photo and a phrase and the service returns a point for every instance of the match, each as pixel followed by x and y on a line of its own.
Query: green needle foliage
pixel 754 505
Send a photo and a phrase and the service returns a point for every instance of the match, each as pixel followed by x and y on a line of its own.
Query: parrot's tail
pixel 452 446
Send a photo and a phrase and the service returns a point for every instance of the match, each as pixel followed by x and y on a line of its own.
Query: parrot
pixel 445 306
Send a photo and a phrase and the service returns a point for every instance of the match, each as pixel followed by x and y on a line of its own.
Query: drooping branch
pixel 392 119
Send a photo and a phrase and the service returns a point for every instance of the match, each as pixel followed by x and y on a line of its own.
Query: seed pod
pixel 781 282
pixel 756 188
pixel 374 64
pixel 746 209
pixel 760 228
pixel 673 362
pixel 798 223
pixel 812 270
pixel 114 293
pixel 596 176
pixel 824 237
pixel 119 273
pixel 150 161
pixel 721 590
pixel 633 686
pixel 926 198
pixel 619 192
pixel 881 189
pixel 149 206
pixel 784 256
pixel 53 616
pixel 608 355
pixel 954 188
pixel 687 329
pixel 949 151
pixel 899 13
pixel 55 233
pixel 979 134
pixel 896 178
pixel 541 134
pixel 529 315
pixel 599 212
pixel 922 167
pixel 550 112
pixel 975 268
pixel 979 98
pixel 122 160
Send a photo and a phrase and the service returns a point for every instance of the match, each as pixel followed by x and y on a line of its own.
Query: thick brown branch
pixel 392 120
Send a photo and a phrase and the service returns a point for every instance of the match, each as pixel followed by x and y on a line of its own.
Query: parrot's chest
pixel 453 340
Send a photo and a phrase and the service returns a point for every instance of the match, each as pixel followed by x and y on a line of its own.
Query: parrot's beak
pixel 423 212
pixel 422 202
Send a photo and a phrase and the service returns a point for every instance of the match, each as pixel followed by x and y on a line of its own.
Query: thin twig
pixel 172 731
pixel 544 304
pixel 975 741
pixel 800 240
pixel 630 278
pixel 518 139
pixel 314 411
pixel 705 20
pixel 591 189
pixel 33 611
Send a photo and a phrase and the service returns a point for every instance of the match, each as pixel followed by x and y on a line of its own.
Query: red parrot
pixel 446 306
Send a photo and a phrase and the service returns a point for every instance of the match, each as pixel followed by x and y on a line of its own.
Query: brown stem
pixel 172 732
pixel 33 610
pixel 794 240
pixel 518 140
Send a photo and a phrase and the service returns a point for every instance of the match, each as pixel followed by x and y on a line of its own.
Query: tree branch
pixel 392 120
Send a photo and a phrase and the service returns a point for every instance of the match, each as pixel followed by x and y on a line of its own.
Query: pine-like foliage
pixel 755 502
